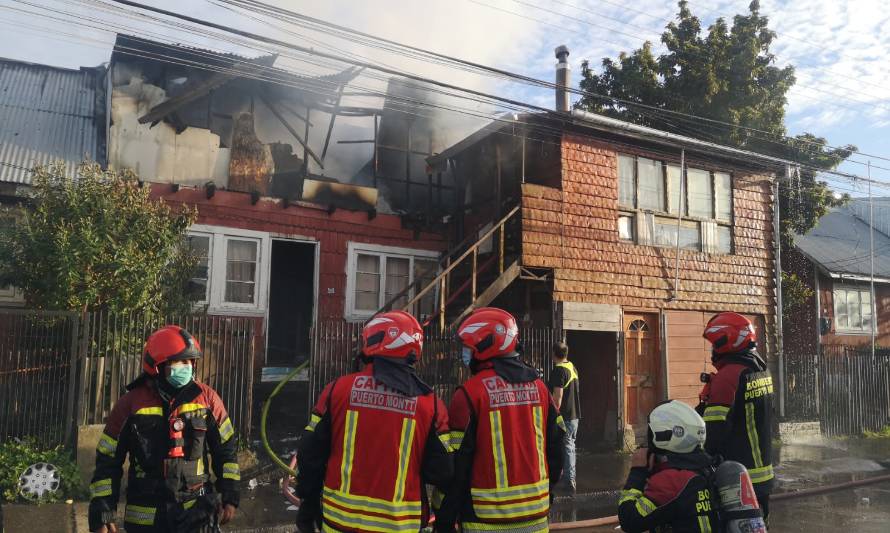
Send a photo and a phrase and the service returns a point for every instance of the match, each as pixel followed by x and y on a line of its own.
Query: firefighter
pixel 668 486
pixel 736 402
pixel 506 431
pixel 169 425
pixel 374 438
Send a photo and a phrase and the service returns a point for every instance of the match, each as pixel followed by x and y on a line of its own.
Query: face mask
pixel 466 355
pixel 180 376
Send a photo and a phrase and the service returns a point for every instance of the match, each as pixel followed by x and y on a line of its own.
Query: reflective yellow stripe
pixel 512 493
pixel 373 505
pixel 753 438
pixel 573 374
pixel 189 407
pixel 455 438
pixel 561 422
pixel 313 421
pixel 189 504
pixel 445 440
pixel 645 506
pixel 629 495
pixel 348 450
pixel 539 441
pixel 762 474
pixel 151 411
pixel 231 471
pixel 497 449
pixel 226 431
pixel 408 425
pixel 530 526
pixel 704 524
pixel 362 521
pixel 106 445
pixel 101 488
pixel 143 516
pixel 502 511
pixel 715 413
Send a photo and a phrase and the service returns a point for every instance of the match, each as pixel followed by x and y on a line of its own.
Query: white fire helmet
pixel 676 427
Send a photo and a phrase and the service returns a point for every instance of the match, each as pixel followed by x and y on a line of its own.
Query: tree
pixel 727 75
pixel 98 241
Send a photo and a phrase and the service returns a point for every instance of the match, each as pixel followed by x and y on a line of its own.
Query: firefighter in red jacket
pixel 736 402
pixel 169 425
pixel 506 431
pixel 374 438
pixel 667 488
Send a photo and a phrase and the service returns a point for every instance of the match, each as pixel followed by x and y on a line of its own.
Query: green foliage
pixel 98 241
pixel 795 294
pixel 17 456
pixel 882 433
pixel 728 74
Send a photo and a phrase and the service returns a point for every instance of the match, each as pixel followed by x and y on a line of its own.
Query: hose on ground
pixel 265 440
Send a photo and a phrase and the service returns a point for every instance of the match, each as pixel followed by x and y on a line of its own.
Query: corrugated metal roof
pixel 840 244
pixel 46 114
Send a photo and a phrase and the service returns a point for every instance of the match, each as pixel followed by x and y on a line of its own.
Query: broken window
pixel 852 308
pixel 651 188
pixel 199 284
pixel 241 270
pixel 627 194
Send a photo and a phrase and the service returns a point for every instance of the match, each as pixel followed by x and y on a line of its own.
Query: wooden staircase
pixel 470 275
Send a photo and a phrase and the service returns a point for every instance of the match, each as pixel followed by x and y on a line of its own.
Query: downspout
pixel 777 237
pixel 871 254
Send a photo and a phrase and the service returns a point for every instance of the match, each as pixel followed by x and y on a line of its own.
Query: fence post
pixel 70 420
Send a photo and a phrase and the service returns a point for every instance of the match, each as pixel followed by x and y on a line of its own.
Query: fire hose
pixel 581 525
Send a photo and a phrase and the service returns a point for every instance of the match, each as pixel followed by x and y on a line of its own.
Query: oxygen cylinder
pixel 739 510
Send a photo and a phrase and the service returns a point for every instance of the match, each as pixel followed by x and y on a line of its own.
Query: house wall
pixel 333 231
pixel 574 231
pixel 882 307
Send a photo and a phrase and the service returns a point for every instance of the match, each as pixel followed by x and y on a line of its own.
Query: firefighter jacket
pixel 508 436
pixel 366 454
pixel 673 497
pixel 158 488
pixel 736 405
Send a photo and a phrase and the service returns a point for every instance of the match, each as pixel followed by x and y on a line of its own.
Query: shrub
pixel 17 455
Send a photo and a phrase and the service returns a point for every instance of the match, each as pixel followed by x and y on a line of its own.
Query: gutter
pixel 671 139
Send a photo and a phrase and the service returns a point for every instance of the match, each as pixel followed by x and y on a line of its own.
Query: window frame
pixel 669 212
pixel 210 239
pixel 382 252
pixel 216 275
pixel 846 290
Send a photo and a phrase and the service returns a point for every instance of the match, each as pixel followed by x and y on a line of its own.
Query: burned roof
pixel 48 114
pixel 840 245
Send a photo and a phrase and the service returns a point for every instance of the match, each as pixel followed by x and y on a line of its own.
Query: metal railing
pixel 854 390
pixel 335 346
pixel 61 370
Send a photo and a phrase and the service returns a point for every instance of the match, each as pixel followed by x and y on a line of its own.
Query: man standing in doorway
pixel 564 389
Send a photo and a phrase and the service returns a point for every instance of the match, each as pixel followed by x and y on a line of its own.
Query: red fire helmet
pixel 392 334
pixel 489 332
pixel 170 343
pixel 730 333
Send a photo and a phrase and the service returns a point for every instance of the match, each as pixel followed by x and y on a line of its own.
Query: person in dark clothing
pixel 374 439
pixel 564 387
pixel 506 432
pixel 737 402
pixel 667 488
pixel 169 425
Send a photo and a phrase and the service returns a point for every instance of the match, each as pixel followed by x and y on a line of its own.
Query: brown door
pixel 642 369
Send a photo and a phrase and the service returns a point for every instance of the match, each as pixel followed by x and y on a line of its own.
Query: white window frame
pixel 845 289
pixel 216 278
pixel 381 251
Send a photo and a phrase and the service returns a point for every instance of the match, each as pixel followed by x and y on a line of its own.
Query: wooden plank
pixel 289 128
pixel 492 291
pixel 577 325
pixel 591 317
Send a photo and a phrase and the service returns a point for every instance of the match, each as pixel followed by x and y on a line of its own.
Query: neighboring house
pixel 834 261
pixel 47 114
pixel 593 208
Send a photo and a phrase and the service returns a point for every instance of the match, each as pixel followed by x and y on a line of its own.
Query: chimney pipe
pixel 563 79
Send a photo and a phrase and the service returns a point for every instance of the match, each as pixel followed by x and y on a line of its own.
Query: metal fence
pixel 336 344
pixel 61 370
pixel 36 375
pixel 854 390
pixel 802 394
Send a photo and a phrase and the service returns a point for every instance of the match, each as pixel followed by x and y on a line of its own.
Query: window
pixel 199 245
pixel 653 188
pixel 852 309
pixel 377 274
pixel 241 270
pixel 231 274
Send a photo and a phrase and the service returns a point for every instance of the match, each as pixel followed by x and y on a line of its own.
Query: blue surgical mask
pixel 180 376
pixel 466 355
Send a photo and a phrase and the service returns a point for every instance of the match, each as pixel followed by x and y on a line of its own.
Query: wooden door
pixel 642 368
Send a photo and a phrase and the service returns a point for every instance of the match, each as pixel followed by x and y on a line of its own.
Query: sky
pixel 839 48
